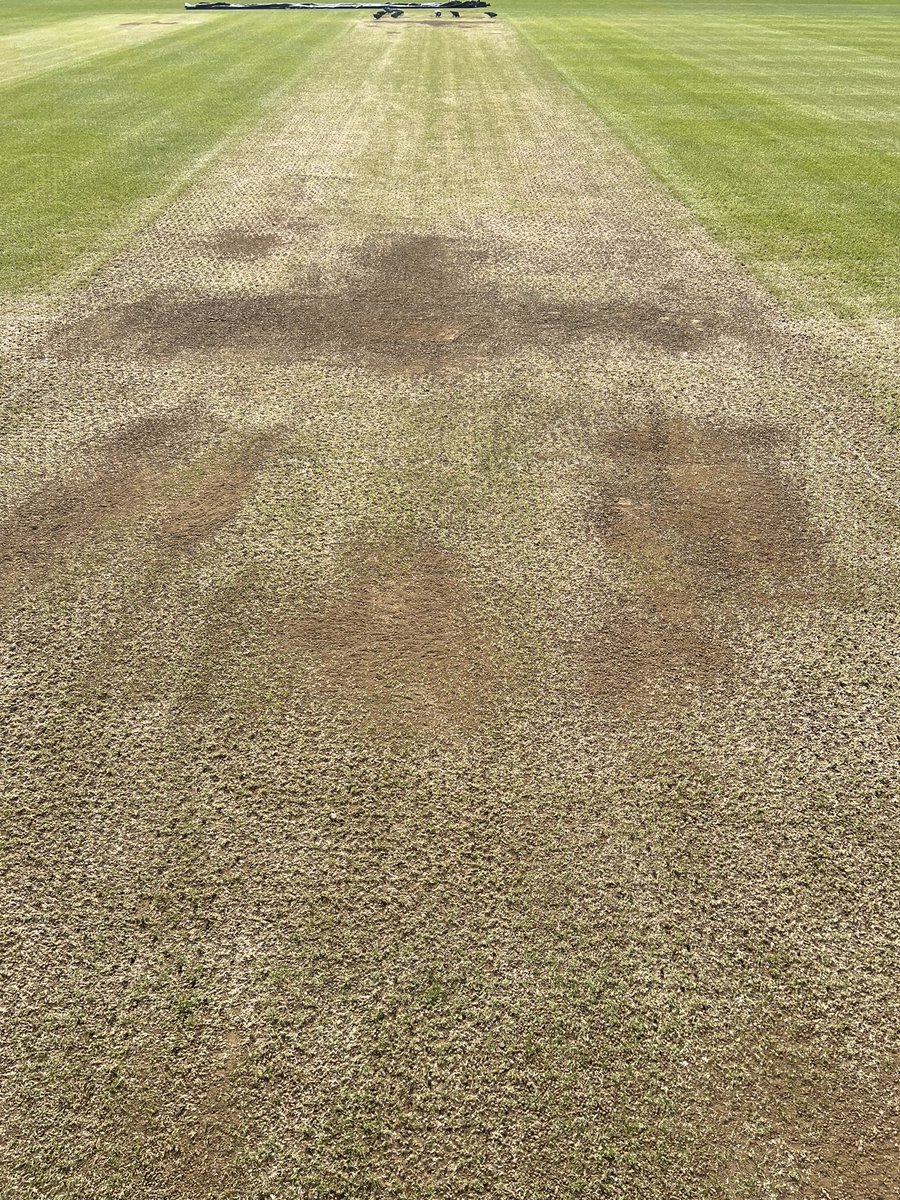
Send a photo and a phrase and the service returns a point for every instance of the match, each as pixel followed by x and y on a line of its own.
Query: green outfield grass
pixel 776 122
pixel 98 135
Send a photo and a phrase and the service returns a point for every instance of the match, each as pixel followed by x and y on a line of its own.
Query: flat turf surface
pixel 449 617
pixel 776 122
pixel 108 113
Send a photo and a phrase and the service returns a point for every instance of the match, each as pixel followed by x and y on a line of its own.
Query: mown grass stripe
pixel 749 96
pixel 64 43
pixel 92 148
pixel 789 158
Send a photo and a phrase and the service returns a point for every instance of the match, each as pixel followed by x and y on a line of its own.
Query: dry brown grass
pixel 448 677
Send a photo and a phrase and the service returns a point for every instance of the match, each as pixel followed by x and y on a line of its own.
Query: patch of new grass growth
pixel 776 123
pixel 95 147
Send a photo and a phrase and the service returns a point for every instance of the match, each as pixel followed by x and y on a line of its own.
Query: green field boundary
pixel 59 44
pixel 95 150
pixel 801 200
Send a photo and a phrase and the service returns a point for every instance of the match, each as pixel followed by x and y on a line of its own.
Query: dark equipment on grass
pixel 389 9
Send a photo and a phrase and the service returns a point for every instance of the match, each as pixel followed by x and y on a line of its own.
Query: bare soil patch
pixel 692 507
pixel 243 244
pixel 67 511
pixel 150 470
pixel 192 1127
pixel 211 491
pixel 398 644
pixel 213 1136
pixel 790 1114
pixel 412 303
pixel 702 530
